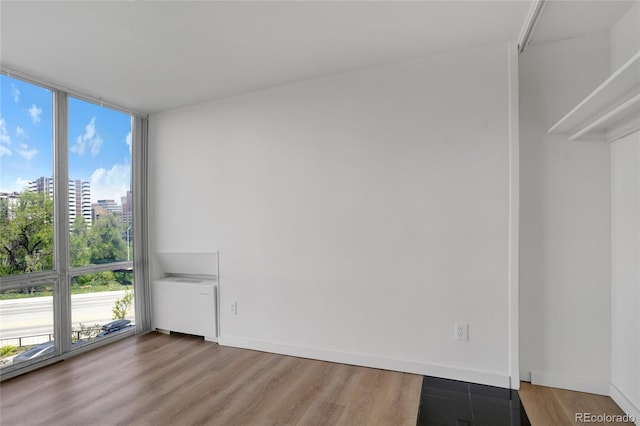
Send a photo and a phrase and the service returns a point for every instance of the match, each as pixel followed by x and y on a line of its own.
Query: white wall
pixel 625 37
pixel 565 325
pixel 625 237
pixel 358 216
pixel 625 272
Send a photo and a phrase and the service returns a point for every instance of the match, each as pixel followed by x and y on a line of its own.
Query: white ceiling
pixel 154 56
pixel 566 19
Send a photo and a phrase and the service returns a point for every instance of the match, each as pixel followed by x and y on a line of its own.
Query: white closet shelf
pixel 614 105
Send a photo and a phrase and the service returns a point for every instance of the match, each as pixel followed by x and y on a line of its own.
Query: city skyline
pixel 79 200
pixel 99 141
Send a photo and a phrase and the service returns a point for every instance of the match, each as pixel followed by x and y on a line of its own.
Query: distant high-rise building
pixel 79 200
pixel 86 200
pixel 123 212
pixel 109 205
pixel 79 196
pixel 7 201
pixel 127 202
pixel 127 208
pixel 103 207
pixel 97 211
pixel 125 217
pixel 42 185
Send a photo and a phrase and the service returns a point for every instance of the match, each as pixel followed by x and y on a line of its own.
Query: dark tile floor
pixel 454 403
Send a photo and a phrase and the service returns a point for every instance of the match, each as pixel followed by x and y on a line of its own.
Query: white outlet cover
pixel 462 331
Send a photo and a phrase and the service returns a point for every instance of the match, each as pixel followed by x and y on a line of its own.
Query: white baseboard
pixel 579 384
pixel 454 373
pixel 627 406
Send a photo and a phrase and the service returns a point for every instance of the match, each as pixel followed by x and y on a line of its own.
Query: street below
pixel 34 316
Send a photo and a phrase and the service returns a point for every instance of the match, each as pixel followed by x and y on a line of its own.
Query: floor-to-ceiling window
pixel 27 217
pixel 100 220
pixel 67 204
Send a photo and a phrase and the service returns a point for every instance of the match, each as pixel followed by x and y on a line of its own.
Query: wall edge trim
pixel 574 383
pixel 362 360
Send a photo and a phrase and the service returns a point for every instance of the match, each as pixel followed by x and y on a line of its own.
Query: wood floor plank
pixel 548 406
pixel 542 407
pixel 158 380
pixel 168 380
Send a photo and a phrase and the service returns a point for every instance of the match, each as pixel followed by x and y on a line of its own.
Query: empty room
pixel 320 212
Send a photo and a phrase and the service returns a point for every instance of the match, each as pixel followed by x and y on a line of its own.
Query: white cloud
pixel 89 140
pixel 21 184
pixel 79 147
pixel 90 129
pixel 128 141
pixel 15 93
pixel 111 184
pixel 4 135
pixel 20 132
pixel 34 113
pixel 95 145
pixel 4 151
pixel 28 154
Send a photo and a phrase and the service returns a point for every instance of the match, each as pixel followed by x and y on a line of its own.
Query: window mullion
pixel 140 129
pixel 62 293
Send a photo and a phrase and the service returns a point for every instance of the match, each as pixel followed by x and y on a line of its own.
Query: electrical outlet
pixel 233 308
pixel 462 331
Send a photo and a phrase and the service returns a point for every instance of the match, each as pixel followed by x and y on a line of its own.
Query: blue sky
pixel 99 141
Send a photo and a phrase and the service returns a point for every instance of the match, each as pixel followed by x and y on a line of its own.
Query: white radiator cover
pixel 185 305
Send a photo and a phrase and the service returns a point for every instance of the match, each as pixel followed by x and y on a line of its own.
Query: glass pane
pixel 26 324
pixel 26 177
pixel 101 304
pixel 100 198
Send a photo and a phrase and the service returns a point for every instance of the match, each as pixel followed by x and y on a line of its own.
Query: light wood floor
pixel 179 380
pixel 558 407
pixel 157 379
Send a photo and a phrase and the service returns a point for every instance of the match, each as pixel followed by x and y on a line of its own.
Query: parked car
pixel 42 349
pixel 115 326
pixel 48 348
pixel 36 351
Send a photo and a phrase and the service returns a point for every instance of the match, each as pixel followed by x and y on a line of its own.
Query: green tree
pixel 123 278
pixel 4 209
pixel 121 306
pixel 79 251
pixel 92 280
pixel 106 240
pixel 26 234
pixel 8 350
